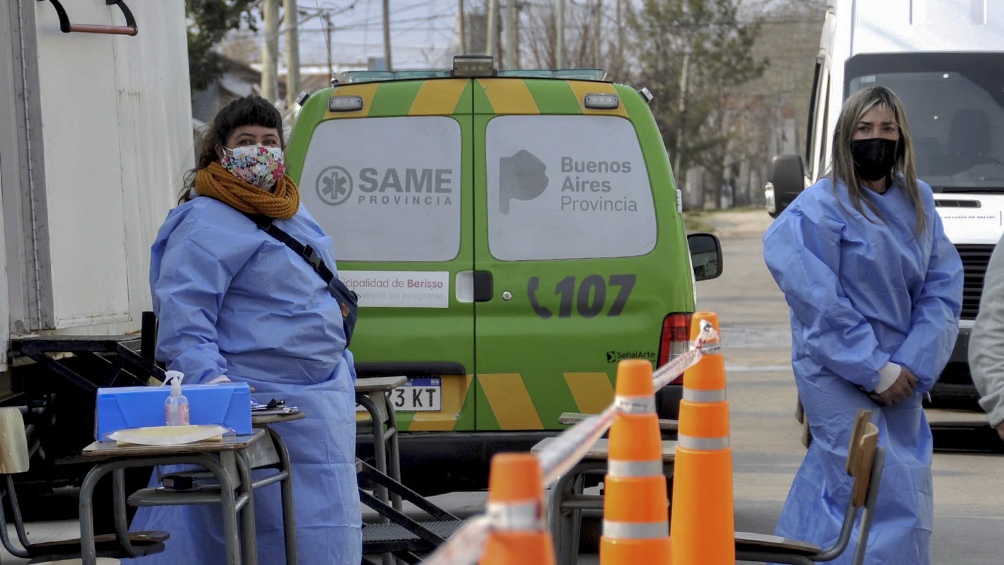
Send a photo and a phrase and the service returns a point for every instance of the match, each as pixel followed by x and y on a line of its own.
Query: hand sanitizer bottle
pixel 176 405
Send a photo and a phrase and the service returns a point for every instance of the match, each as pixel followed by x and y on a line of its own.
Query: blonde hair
pixel 842 168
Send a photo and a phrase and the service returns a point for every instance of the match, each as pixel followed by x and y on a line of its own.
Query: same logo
pixel 521 177
pixel 334 185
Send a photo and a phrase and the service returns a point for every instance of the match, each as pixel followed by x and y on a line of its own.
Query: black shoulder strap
pixel 312 257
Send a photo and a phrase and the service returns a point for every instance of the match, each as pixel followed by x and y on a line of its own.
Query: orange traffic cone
pixel 703 524
pixel 635 505
pixel 516 509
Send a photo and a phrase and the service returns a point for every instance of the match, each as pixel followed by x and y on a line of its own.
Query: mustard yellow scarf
pixel 216 182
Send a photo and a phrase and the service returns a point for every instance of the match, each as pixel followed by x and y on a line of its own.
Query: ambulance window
pixel 386 189
pixel 567 187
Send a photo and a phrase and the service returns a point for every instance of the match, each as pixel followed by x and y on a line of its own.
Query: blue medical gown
pixel 863 292
pixel 231 300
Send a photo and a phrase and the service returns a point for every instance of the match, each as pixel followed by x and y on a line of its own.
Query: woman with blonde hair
pixel 875 292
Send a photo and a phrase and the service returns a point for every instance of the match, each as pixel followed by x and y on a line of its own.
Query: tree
pixel 208 22
pixel 538 34
pixel 694 55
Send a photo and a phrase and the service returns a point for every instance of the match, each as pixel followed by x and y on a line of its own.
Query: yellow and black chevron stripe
pixel 502 96
pixel 509 405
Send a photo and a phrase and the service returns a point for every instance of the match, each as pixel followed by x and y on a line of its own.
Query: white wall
pixel 116 123
pixel 4 310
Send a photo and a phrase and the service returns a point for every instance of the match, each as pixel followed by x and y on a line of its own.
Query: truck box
pixel 95 139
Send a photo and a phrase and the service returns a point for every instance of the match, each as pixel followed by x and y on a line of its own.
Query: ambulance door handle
pixel 474 286
pixel 484 286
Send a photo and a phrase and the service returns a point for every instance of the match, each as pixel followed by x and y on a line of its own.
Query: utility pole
pixel 491 29
pixel 511 41
pixel 269 58
pixel 289 15
pixel 462 27
pixel 620 39
pixel 597 36
pixel 559 40
pixel 683 115
pixel 327 32
pixel 386 36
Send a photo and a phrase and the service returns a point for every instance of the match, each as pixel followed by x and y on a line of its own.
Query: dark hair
pixel 250 110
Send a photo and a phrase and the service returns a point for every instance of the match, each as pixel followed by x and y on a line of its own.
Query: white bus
pixel 945 60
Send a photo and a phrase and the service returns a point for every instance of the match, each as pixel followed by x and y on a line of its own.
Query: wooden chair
pixel 864 463
pixel 14 459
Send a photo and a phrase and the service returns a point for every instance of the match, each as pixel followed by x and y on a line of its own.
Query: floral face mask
pixel 255 164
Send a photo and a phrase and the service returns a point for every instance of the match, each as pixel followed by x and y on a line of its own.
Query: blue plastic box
pixel 226 404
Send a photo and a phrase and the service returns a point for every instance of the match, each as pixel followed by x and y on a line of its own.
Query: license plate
pixel 418 395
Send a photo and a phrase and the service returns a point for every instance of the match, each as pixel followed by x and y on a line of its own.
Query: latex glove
pixel 223 379
pixel 900 390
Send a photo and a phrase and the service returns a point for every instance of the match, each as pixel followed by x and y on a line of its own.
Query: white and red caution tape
pixel 466 544
pixel 668 372
pixel 568 447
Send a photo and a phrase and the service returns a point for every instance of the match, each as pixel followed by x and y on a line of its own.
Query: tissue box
pixel 226 404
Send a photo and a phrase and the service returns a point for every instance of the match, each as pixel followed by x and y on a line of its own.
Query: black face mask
pixel 873 158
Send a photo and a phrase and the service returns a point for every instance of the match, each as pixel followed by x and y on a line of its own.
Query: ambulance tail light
pixel 675 338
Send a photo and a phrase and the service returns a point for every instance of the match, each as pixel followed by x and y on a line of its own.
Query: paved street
pixel 969 487
pixel 766 446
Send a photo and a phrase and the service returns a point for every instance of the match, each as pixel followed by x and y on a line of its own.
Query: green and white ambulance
pixel 512 235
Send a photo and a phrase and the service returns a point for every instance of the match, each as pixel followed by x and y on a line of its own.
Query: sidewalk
pixel 743 222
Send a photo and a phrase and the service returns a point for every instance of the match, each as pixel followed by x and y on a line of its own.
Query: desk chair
pixel 373 394
pixel 268 458
pixel 864 463
pixel 14 459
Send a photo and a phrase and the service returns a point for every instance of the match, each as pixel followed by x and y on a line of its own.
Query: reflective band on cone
pixel 635 530
pixel 702 443
pixel 635 501
pixel 704 395
pixel 515 507
pixel 634 468
pixel 703 524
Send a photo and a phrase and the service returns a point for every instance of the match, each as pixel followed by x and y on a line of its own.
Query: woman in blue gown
pixel 233 303
pixel 875 292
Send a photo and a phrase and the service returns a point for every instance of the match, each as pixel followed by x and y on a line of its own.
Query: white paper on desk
pixel 277 411
pixel 169 435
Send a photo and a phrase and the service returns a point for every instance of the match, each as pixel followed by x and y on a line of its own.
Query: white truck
pixel 945 60
pixel 95 138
